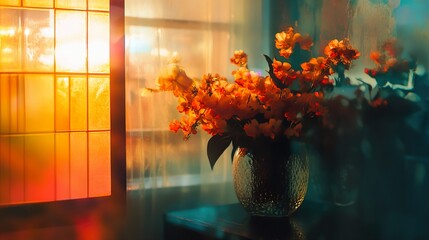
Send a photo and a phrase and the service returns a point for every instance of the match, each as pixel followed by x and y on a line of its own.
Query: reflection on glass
pixel 70 4
pixel 189 10
pixel 62 104
pixel 11 103
pixel 37 38
pixel 26 38
pixel 10 39
pixel 37 3
pixel 4 105
pixel 98 42
pixel 11 2
pixel 99 163
pixel 17 166
pixel 70 52
pixel 62 165
pixel 99 103
pixel 78 165
pixel 102 5
pixel 78 103
pixel 4 170
pixel 39 168
pixel 39 103
pixel 16 103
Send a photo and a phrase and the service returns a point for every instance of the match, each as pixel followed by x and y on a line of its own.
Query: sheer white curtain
pixel 204 35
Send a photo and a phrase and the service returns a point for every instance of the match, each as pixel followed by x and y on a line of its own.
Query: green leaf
pixel 276 81
pixel 373 92
pixel 234 148
pixel 216 146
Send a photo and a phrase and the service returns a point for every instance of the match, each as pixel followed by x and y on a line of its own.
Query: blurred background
pixel 52 147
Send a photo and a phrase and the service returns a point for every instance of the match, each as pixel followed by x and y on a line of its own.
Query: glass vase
pixel 270 177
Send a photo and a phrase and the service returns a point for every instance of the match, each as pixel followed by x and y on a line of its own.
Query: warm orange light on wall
pixel 54 100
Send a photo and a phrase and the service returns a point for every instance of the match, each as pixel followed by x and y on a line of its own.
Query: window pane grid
pixel 51 130
pixel 13 110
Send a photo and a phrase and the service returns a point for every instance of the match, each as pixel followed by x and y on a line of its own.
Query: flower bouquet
pixel 255 106
pixel 260 115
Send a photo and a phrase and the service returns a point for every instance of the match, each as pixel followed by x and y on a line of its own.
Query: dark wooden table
pixel 311 221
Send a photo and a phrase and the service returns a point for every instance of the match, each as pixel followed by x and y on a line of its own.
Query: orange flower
pixel 188 125
pixel 281 67
pixel 286 40
pixel 314 69
pixel 341 52
pixel 183 105
pixel 284 72
pixel 174 78
pixel 252 128
pixel 245 78
pixel 272 128
pixel 376 57
pixel 214 127
pixel 239 58
pixel 175 126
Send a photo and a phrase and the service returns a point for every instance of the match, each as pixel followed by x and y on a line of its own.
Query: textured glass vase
pixel 271 177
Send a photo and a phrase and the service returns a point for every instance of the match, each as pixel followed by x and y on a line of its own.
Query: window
pixel 203 35
pixel 54 100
